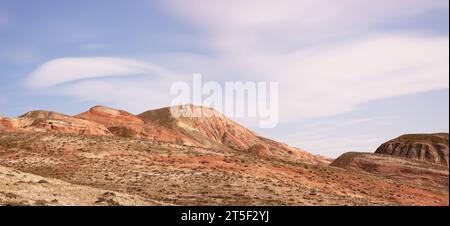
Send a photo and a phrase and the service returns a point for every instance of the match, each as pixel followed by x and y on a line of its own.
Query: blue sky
pixel 352 74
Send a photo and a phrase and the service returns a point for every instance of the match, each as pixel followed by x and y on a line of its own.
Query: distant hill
pixel 420 160
pixel 423 147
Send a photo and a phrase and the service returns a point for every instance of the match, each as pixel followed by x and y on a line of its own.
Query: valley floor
pixel 66 169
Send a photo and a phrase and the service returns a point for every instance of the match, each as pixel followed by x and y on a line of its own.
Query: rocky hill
pixel 420 160
pixel 204 125
pixel 423 147
pixel 211 128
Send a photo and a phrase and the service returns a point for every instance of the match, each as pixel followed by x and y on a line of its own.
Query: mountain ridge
pixel 208 129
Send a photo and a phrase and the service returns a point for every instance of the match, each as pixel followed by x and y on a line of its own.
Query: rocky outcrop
pixel 431 148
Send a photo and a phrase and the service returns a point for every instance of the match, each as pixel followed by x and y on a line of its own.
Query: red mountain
pixel 202 127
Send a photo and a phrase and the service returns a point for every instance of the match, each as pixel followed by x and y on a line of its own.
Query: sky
pixel 351 73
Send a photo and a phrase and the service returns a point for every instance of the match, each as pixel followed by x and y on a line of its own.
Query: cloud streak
pixel 135 85
pixel 295 20
pixel 63 70
pixel 336 79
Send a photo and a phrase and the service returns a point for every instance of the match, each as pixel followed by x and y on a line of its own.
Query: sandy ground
pixel 18 188
pixel 85 169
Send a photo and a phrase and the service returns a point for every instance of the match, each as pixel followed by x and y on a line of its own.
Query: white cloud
pixel 124 83
pixel 295 20
pixel 334 80
pixel 62 70
pixel 251 14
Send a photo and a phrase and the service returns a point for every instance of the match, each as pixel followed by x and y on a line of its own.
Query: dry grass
pixel 182 175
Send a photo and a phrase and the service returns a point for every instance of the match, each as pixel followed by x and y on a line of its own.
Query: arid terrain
pixel 106 156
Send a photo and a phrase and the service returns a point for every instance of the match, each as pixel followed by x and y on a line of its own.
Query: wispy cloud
pixel 336 79
pixel 130 84
pixel 300 19
pixel 62 70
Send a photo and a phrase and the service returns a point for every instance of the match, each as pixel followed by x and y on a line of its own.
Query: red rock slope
pixel 124 124
pixel 209 127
